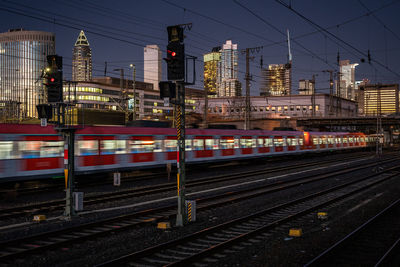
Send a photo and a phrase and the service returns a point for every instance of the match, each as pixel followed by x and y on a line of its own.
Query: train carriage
pixel 32 151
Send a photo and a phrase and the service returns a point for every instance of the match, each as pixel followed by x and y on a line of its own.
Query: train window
pixel 331 140
pixel 268 142
pixel 120 146
pixel 87 147
pixel 246 143
pixel 301 141
pixel 362 139
pixel 188 144
pixel 112 147
pixel 345 140
pixel 292 141
pixel 52 149
pixel 6 150
pixel 29 149
pixel 278 141
pixel 315 140
pixel 351 140
pixel 324 140
pixel 227 143
pixel 254 143
pixel 260 142
pixel 170 145
pixel 211 144
pixel 198 144
pixel 141 146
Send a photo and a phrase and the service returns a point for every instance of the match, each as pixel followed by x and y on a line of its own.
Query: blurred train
pixel 32 151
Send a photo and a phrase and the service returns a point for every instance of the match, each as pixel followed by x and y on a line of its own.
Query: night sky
pixel 118 30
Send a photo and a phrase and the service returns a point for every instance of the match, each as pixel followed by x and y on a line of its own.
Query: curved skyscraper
pixel 22 59
pixel 82 59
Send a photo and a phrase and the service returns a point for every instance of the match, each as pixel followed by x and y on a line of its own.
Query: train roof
pixel 36 129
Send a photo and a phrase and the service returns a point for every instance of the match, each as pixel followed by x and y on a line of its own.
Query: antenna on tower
pixel 290 53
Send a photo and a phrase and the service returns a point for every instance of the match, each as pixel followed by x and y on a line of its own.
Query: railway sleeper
pixel 157 261
pixel 189 248
pixel 217 238
pixel 198 245
pixel 207 241
pixel 164 255
pixel 179 252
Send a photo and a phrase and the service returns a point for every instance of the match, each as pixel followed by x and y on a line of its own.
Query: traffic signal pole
pixel 181 218
pixel 69 169
pixel 176 83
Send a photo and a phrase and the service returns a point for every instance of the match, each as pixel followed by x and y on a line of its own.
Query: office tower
pixel 306 87
pixel 82 59
pixel 347 80
pixel 276 80
pixel 152 65
pixel 211 70
pixel 22 59
pixel 227 78
pixel 381 99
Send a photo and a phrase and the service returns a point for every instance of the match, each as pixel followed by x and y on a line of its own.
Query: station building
pixel 104 93
pixel 293 106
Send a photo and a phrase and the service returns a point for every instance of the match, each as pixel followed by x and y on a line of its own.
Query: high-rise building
pixel 22 59
pixel 276 80
pixel 227 76
pixel 381 98
pixel 306 87
pixel 211 70
pixel 82 59
pixel 347 80
pixel 152 65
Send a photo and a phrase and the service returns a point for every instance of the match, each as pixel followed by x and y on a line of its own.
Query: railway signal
pixel 53 79
pixel 175 61
pixel 175 89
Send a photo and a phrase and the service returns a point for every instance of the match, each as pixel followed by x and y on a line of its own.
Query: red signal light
pixel 171 52
pixel 52 80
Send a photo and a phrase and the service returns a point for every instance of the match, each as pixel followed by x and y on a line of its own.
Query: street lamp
pixel 134 90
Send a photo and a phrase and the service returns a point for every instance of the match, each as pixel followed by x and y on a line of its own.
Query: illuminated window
pixel 87 147
pixel 246 143
pixel 227 143
pixel 141 146
pixel 278 141
pixel 198 144
pixel 170 145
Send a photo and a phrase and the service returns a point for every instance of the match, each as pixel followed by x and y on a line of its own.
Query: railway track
pixel 208 246
pixel 374 243
pixel 20 248
pixel 59 204
pixel 60 186
pixel 51 186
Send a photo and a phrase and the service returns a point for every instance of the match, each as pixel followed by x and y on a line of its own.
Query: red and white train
pixel 32 151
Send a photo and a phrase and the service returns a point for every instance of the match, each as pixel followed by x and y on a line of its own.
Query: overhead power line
pixel 335 37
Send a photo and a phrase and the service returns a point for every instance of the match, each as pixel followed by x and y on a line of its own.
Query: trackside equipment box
pixel 191 210
pixel 78 201
pixel 117 178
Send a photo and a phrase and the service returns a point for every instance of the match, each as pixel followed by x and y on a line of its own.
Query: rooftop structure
pixel 82 59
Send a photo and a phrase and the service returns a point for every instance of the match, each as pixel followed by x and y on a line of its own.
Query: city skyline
pixel 127 42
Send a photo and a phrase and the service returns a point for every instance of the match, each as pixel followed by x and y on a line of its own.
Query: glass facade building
pixel 276 80
pixel 347 82
pixel 386 94
pixel 210 72
pixel 227 78
pixel 152 65
pixel 82 59
pixel 23 56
